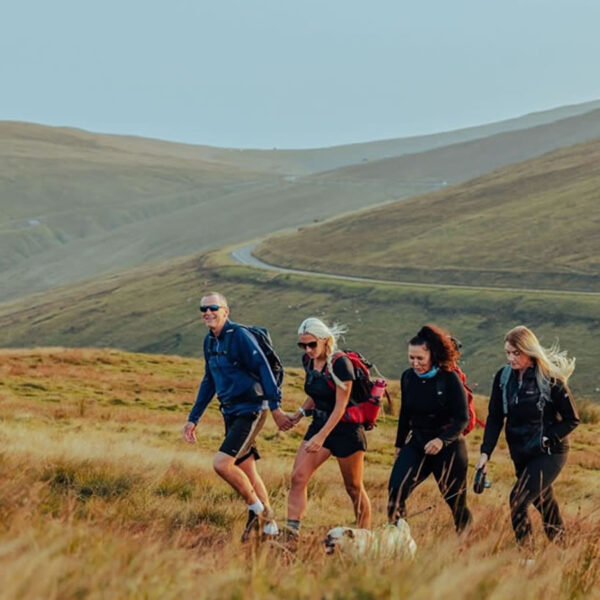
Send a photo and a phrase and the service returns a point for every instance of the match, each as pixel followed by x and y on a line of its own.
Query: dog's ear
pixel 349 533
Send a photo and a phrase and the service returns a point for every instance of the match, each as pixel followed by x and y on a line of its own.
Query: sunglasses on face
pixel 311 345
pixel 211 307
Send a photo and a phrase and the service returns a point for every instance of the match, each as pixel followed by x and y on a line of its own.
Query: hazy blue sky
pixel 293 73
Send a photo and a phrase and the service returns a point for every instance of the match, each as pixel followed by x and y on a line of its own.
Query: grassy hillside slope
pixel 155 309
pixel 101 498
pixel 534 224
pixel 74 205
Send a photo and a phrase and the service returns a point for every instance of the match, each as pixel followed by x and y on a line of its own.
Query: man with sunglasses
pixel 237 371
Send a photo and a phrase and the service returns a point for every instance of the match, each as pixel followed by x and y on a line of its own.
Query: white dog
pixel 390 541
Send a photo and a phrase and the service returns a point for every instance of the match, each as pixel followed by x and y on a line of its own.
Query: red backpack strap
pixel 337 355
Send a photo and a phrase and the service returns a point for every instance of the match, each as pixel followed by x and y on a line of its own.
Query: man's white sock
pixel 257 508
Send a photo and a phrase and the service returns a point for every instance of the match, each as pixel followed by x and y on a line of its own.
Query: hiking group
pixel 530 397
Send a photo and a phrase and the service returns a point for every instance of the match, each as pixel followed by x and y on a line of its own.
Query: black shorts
pixel 345 438
pixel 240 434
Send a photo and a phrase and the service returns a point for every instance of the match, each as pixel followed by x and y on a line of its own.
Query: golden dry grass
pixel 100 498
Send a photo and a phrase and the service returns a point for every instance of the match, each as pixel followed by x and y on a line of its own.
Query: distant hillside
pixel 534 224
pixel 282 161
pixel 304 162
pixel 466 160
pixel 155 309
pixel 74 205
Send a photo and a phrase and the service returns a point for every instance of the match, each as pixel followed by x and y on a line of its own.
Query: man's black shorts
pixel 344 440
pixel 240 433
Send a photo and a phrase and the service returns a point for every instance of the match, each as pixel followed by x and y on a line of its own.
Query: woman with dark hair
pixel 433 415
pixel 531 395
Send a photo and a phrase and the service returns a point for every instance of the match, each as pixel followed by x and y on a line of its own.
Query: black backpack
pixel 545 392
pixel 263 338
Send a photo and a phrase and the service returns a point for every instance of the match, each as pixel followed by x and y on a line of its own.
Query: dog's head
pixel 335 536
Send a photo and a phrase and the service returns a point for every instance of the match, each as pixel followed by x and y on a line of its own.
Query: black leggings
pixel 449 467
pixel 534 486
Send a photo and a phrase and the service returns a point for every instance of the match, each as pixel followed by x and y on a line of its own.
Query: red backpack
pixel 473 420
pixel 364 404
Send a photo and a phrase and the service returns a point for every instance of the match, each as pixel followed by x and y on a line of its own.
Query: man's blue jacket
pixel 245 388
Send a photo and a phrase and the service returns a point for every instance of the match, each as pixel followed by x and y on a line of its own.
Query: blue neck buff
pixel 431 373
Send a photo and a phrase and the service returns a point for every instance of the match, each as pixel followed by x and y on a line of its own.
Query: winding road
pixel 243 255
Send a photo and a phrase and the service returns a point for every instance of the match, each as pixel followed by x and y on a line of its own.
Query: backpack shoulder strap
pixel 504 378
pixel 545 392
pixel 305 362
pixel 328 376
pixel 440 387
pixel 337 355
pixel 225 349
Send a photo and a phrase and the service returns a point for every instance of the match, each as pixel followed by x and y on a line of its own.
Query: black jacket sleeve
pixel 564 405
pixel 457 403
pixel 495 418
pixel 403 419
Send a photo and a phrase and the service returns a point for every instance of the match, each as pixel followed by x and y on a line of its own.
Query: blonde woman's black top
pixel 528 420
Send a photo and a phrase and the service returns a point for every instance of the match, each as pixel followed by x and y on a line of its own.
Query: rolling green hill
pixel 74 205
pixel 155 309
pixel 534 225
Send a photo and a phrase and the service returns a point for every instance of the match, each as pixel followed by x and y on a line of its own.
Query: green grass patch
pixel 529 225
pixel 85 481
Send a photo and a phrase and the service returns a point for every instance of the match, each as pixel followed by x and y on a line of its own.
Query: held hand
pixel 282 420
pixel 482 462
pixel 433 446
pixel 295 417
pixel 189 432
pixel 314 444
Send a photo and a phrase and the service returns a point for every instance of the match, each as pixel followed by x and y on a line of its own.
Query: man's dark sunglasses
pixel 311 345
pixel 211 307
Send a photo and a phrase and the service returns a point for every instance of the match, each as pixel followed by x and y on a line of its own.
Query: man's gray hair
pixel 222 299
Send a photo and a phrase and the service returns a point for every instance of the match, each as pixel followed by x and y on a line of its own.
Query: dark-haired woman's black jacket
pixel 528 419
pixel 431 408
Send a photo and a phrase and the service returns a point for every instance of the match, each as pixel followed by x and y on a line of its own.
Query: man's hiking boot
pixel 263 523
pixel 252 524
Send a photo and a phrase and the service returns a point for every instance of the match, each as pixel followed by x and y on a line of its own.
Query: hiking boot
pixel 289 538
pixel 252 524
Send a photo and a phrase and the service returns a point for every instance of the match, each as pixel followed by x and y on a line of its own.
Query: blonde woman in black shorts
pixel 328 385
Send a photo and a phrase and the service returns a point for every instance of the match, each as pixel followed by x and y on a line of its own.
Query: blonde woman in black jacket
pixel 532 397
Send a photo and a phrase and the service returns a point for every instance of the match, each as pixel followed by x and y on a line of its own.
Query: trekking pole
pixel 431 506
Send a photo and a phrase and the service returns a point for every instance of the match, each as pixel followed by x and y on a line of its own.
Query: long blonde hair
pixel 550 363
pixel 331 335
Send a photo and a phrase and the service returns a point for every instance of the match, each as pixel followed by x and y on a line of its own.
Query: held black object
pixel 480 482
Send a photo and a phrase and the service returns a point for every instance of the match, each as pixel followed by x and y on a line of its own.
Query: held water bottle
pixel 377 390
pixel 370 410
